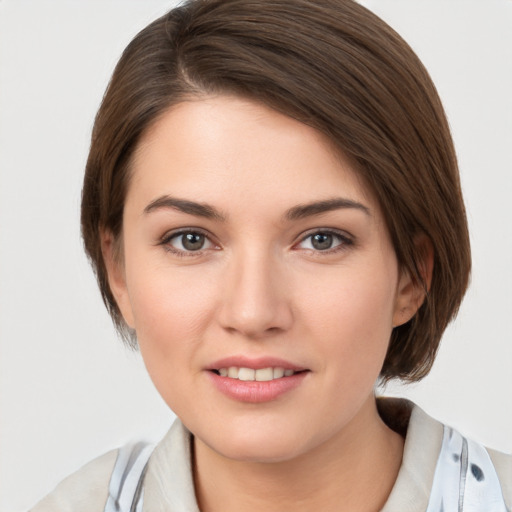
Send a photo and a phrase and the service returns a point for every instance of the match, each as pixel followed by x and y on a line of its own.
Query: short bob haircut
pixel 332 65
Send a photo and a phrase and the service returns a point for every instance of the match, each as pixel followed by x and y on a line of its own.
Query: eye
pixel 187 242
pixel 324 241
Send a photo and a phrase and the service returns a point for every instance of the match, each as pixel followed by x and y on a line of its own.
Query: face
pixel 259 277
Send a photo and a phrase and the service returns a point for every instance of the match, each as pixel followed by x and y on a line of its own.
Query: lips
pixel 255 380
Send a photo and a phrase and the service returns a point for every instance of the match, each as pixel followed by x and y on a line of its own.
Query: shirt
pixel 168 481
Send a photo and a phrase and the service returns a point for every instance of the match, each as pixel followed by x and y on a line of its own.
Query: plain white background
pixel 69 390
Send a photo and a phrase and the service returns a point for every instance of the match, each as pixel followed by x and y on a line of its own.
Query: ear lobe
pixel 410 292
pixel 116 275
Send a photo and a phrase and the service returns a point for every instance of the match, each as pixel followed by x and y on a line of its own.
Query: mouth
pixel 258 375
pixel 256 380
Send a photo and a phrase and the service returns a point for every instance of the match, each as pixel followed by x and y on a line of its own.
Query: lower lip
pixel 255 391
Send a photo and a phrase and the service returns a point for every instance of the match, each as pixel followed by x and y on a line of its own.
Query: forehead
pixel 227 149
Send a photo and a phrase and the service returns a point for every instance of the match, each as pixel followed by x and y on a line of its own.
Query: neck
pixel 353 471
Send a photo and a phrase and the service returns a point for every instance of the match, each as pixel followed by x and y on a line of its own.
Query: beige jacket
pixel 168 484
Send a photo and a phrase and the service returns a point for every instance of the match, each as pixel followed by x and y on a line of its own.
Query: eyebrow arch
pixel 182 205
pixel 318 207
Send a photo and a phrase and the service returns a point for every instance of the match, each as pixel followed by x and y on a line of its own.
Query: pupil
pixel 193 241
pixel 322 241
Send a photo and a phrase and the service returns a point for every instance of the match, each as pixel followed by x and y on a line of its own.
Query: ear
pixel 411 293
pixel 114 263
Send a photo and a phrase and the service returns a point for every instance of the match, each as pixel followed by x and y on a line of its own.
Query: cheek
pixel 354 319
pixel 170 307
pixel 171 312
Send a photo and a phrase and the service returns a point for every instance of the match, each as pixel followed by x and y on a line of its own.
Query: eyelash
pixel 345 241
pixel 168 237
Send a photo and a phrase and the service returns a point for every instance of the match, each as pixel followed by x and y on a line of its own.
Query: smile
pixel 256 379
pixel 244 384
pixel 250 374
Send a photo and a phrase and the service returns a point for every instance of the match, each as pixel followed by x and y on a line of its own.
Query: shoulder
pixel 503 464
pixel 481 475
pixel 440 466
pixel 117 478
pixel 468 472
pixel 84 490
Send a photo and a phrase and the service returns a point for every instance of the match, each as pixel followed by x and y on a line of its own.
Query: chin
pixel 264 445
pixel 262 452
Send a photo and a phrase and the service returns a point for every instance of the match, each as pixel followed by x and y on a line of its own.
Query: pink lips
pixel 255 391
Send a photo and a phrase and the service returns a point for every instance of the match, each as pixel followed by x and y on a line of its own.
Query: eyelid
pixel 346 239
pixel 170 235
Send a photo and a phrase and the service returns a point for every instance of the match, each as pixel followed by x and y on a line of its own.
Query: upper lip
pixel 256 363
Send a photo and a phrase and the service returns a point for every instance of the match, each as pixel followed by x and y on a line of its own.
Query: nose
pixel 256 301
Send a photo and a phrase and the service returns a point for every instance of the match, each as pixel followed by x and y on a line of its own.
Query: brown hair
pixel 333 65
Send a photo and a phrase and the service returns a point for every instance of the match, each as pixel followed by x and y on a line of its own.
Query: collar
pixel 169 485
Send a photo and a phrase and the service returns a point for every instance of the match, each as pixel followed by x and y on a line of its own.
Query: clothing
pixel 168 483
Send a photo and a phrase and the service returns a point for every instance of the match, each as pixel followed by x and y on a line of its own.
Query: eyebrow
pixel 182 205
pixel 296 213
pixel 319 207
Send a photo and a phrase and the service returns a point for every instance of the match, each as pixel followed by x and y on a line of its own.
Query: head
pixel 336 68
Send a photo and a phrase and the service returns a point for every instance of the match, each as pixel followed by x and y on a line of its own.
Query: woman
pixel 273 210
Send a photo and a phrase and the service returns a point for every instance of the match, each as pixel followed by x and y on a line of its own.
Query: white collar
pixel 169 485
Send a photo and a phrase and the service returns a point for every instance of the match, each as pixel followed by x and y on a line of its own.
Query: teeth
pixel 260 375
pixel 246 374
pixel 264 374
pixel 278 373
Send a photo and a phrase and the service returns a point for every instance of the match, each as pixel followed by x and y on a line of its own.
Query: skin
pixel 257 287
